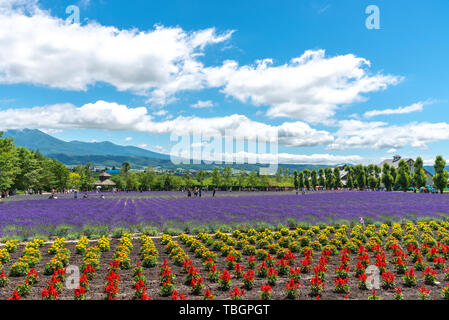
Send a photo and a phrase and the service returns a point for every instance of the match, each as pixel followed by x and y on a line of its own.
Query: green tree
pixel 125 168
pixel 403 176
pixel 337 178
pixel 227 174
pixel 201 175
pixel 321 180
pixel 301 180
pixel 87 178
pixel 264 181
pixel 27 177
pixel 441 175
pixel 371 179
pixel 252 179
pixel 295 179
pixel 216 177
pixel 328 174
pixel 147 179
pixel 8 163
pixel 60 174
pixel 241 179
pixel 314 178
pixel 279 175
pixel 419 176
pixel 306 174
pixel 377 173
pixel 167 182
pixel 188 180
pixel 132 181
pixel 387 178
pixel 360 175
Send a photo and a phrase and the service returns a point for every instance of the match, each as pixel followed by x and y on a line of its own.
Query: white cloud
pixel 161 62
pixel 378 135
pixel 41 49
pixel 115 117
pixel 203 104
pixel 160 113
pixel 266 158
pixel 143 146
pixel 310 87
pixel 401 110
pixel 50 131
pixel 128 139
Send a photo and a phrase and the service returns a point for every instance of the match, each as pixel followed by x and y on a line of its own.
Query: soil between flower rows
pixel 126 291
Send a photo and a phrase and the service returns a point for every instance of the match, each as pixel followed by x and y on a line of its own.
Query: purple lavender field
pixel 43 216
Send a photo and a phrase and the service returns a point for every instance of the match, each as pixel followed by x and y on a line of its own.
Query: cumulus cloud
pixel 41 49
pixel 160 113
pixel 163 61
pixel 115 117
pixel 203 104
pixel 379 135
pixel 401 110
pixel 311 87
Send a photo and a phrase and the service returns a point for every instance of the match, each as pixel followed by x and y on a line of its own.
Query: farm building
pixel 395 163
pixel 104 181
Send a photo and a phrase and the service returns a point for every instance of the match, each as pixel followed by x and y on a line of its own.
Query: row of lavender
pixel 133 194
pixel 42 216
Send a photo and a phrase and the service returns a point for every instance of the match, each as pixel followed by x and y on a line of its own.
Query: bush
pixel 173 231
pixel 292 223
pixel 63 230
pixel 150 231
pixel 304 225
pixel 118 232
pixel 281 226
pixel 200 229
pixel 223 228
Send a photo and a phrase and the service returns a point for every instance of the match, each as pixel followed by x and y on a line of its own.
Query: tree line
pixel 23 169
pixel 373 176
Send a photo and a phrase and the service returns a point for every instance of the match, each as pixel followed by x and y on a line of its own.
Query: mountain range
pixel 48 145
pixel 108 154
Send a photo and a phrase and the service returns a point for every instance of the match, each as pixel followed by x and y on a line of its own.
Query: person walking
pixel 213 193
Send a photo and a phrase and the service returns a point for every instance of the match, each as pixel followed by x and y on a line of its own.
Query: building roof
pixel 106 182
pixel 395 161
pixel 105 174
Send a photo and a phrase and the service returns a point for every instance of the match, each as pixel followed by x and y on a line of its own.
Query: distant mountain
pixel 48 145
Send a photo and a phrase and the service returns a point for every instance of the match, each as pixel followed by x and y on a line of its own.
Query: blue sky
pixel 146 83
